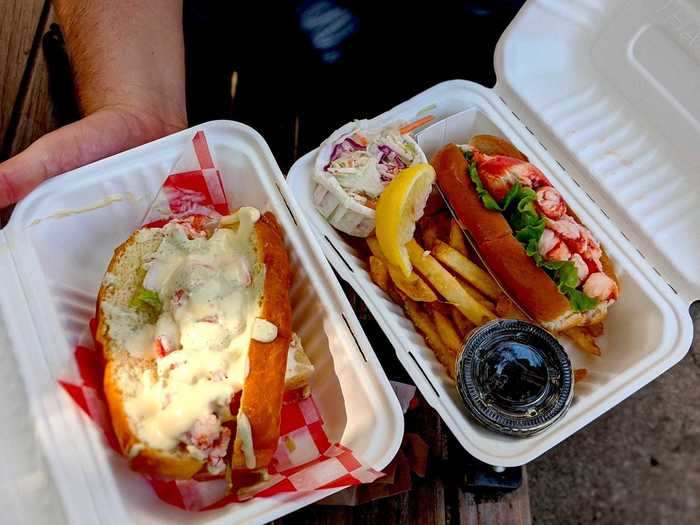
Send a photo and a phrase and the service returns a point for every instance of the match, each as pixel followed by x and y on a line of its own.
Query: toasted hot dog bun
pixel 264 384
pixel 483 225
pixel 530 286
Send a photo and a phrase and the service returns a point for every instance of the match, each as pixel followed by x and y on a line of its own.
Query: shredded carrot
pixel 361 138
pixel 415 124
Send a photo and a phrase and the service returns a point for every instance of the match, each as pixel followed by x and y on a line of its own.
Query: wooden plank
pixel 423 505
pixel 36 112
pixel 318 516
pixel 33 116
pixel 18 28
pixel 513 508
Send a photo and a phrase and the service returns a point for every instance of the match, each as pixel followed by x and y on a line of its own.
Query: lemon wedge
pixel 400 205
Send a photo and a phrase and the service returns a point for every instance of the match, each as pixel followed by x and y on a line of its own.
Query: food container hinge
pixel 291 214
pixel 354 338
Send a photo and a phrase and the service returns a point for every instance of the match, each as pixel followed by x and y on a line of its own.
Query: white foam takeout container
pixel 602 96
pixel 53 254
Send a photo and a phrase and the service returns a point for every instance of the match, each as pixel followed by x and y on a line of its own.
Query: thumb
pixel 96 136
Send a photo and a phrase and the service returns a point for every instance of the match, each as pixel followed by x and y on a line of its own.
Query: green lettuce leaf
pixel 513 195
pixel 565 275
pixel 489 202
pixel 523 218
pixel 580 302
pixel 148 302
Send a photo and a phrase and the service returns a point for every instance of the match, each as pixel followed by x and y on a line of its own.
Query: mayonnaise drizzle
pixel 210 290
pixel 245 435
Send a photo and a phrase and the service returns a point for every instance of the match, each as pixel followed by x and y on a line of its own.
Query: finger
pixel 96 136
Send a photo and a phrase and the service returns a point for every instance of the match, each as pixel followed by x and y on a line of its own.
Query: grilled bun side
pixel 264 386
pixel 528 285
pixel 451 170
pixel 122 371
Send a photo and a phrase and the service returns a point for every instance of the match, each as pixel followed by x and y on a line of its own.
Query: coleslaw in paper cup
pixel 352 168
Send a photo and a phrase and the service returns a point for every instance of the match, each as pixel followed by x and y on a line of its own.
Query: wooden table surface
pixel 26 113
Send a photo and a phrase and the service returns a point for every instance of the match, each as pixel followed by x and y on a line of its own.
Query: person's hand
pixel 98 135
pixel 128 61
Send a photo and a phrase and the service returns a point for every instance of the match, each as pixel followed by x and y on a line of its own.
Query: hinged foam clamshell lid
pixel 611 88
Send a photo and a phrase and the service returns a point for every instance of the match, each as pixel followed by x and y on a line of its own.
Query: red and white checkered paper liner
pixel 305 459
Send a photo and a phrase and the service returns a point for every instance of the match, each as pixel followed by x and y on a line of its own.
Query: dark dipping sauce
pixel 514 377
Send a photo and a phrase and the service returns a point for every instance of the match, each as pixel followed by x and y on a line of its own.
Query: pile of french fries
pixel 448 294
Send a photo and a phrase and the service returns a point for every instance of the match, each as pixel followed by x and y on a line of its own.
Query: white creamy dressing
pixel 264 331
pixel 245 434
pixel 62 214
pixel 135 450
pixel 357 172
pixel 127 329
pixel 210 304
pixel 141 341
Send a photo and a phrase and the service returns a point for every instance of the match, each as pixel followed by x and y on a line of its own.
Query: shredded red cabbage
pixel 355 144
pixel 391 159
pixel 346 146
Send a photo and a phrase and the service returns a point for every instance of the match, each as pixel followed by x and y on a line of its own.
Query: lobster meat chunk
pixel 499 173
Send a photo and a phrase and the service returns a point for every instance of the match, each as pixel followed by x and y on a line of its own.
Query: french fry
pixel 379 273
pixel 464 325
pixel 580 374
pixel 397 295
pixel 425 326
pixel 413 286
pixel 433 227
pixel 583 340
pixel 471 273
pixel 443 221
pixel 506 309
pixel 448 333
pixel 447 284
pixel 596 330
pixel 429 234
pixel 476 294
pixel 457 238
pixel 374 247
pixel 440 306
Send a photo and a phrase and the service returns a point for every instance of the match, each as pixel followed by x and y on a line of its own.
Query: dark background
pixel 307 67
